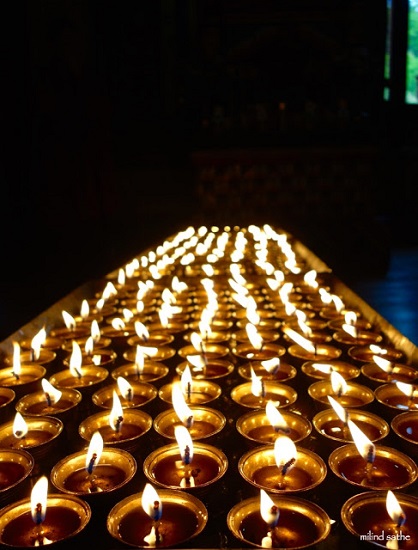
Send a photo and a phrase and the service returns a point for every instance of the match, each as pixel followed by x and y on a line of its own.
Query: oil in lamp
pixel 21 378
pixel 118 427
pixel 384 519
pixel 154 519
pixel 71 329
pixel 36 354
pixel 7 399
pixel 43 340
pixel 90 342
pixel 256 349
pixel 396 397
pixel 350 335
pixel 185 464
pixel 202 422
pixel 321 370
pixel 199 347
pixel 202 367
pixel 146 338
pixel 43 519
pixel 370 466
pixel 265 426
pixel 97 470
pixel 270 369
pixel 289 522
pixel 405 426
pixel 364 354
pixel 16 466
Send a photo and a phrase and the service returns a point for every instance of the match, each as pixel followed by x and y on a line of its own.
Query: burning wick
pixel 156 516
pixel 371 454
pixel 92 463
pixel 48 399
pixel 118 423
pixel 39 537
pixel 270 513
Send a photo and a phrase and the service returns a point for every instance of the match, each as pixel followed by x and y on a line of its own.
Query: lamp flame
pixel 95 331
pixel 85 309
pixel 197 362
pixel 257 386
pixel 94 452
pixel 268 510
pixel 197 342
pixel 76 359
pixel 339 409
pixel 118 324
pixel 139 359
pixel 53 395
pixel 116 413
pixel 310 278
pixel 184 441
pixel 383 363
pixel 271 365
pixel 377 350
pixel 338 384
pixel 254 336
pixel 37 341
pixel 300 340
pixel 350 317
pixel 141 330
pixel 285 454
pixel 407 389
pixel 20 427
pixel 38 500
pixel 276 418
pixel 180 406
pixel 326 368
pixel 125 388
pixel 17 365
pixel 186 381
pixel 397 515
pixel 350 330
pixel 69 320
pixel 365 447
pixel 151 502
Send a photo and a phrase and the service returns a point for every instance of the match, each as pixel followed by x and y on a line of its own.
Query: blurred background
pixel 124 122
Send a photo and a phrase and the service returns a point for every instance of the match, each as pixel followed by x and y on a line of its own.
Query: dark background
pixel 124 122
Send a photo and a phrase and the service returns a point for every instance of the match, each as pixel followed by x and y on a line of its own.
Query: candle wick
pixel 92 463
pixel 118 423
pixel 370 460
pixel 287 465
pixel 189 422
pixel 16 375
pixel 189 390
pixel 32 354
pixel 401 520
pixel 129 397
pixel 38 513
pixel 48 399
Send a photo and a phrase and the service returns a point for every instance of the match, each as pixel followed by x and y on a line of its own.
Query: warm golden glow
pixel 53 395
pixel 125 388
pixel 37 341
pixel 257 386
pixel 338 384
pixel 184 441
pixel 76 359
pixel 271 365
pixel 118 323
pixel 38 500
pixel 323 367
pixel 285 453
pixel 275 417
pixel 197 342
pixel 116 413
pixel 310 278
pixel 197 362
pixel 186 380
pixel 377 350
pixel 17 365
pixel 268 510
pixel 365 447
pixel 339 409
pixel 149 499
pixel 94 451
pixel 306 330
pixel 350 317
pixel 254 336
pixel 394 509
pixel 183 411
pixel 408 389
pixel 69 320
pixel 350 330
pixel 383 363
pixel 85 309
pixel 139 359
pixel 300 340
pixel 20 427
pixel 95 331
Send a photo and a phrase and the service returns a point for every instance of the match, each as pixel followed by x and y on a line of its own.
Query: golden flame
pixel 76 359
pixel 350 330
pixel 306 330
pixel 186 380
pixel 184 441
pixel 149 499
pixel 17 365
pixel 326 368
pixel 116 413
pixel 257 387
pixel 139 359
pixel 141 330
pixel 339 409
pixel 285 453
pixel 20 427
pixel 118 323
pixel 95 331
pixel 338 384
pixel 125 388
pixel 394 509
pixel 254 336
pixel 89 345
pixel 310 278
pixel 275 417
pixel 377 350
pixel 365 447
pixel 300 340
pixel 268 510
pixel 383 363
pixel 197 362
pixel 350 317
pixel 69 320
pixel 338 303
pixel 94 451
pixel 271 365
pixel 180 406
pixel 38 500
pixel 54 395
pixel 85 309
pixel 37 341
pixel 407 389
pixel 197 342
